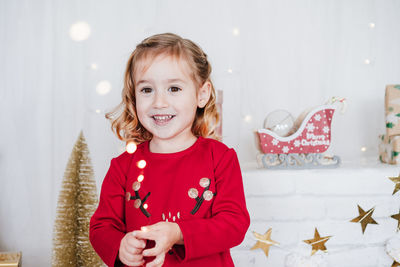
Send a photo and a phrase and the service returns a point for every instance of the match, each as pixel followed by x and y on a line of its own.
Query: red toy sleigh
pixel 303 148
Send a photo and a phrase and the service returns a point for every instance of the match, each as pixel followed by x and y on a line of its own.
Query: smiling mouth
pixel 162 119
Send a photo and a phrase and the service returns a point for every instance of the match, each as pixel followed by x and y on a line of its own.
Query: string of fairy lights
pixel 81 31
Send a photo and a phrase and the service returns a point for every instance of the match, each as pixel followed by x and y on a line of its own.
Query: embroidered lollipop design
pixel 139 203
pixel 206 195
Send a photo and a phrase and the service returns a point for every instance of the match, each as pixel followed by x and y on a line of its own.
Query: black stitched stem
pixel 145 212
pixel 199 201
pixel 144 199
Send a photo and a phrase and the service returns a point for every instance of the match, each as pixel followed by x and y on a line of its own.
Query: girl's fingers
pixel 132 260
pixel 151 227
pixel 144 234
pixel 152 251
pixel 134 263
pixel 134 242
pixel 134 252
pixel 158 261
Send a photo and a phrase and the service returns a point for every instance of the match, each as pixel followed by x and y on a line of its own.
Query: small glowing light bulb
pixel 103 87
pixel 363 149
pixel 93 66
pixel 131 147
pixel 145 206
pixel 140 178
pixel 367 62
pixel 235 31
pixel 230 70
pixel 247 118
pixel 372 25
pixel 98 110
pixel 79 31
pixel 141 164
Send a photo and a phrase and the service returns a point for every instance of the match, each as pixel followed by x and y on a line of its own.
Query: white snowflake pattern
pixel 310 127
pixel 285 149
pixel 275 142
pixel 326 129
pixel 317 117
pixel 297 143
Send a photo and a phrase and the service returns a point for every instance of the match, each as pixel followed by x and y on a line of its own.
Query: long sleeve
pixel 107 225
pixel 230 218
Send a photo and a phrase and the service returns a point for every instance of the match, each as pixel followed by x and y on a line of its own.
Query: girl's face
pixel 167 98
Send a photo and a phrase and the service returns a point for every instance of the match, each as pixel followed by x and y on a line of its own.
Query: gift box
pixel 389 149
pixel 392 110
pixel 10 259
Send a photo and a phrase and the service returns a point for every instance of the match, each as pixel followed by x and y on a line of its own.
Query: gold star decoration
pixel 317 243
pixel 397 217
pixel 365 218
pixel 395 180
pixel 264 241
pixel 395 264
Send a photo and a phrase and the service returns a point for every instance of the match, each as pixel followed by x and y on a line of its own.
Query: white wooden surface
pixel 293 203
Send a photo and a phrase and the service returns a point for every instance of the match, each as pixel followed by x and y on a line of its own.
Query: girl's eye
pixel 174 89
pixel 146 90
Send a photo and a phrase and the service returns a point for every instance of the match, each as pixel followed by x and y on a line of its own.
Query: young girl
pixel 178 200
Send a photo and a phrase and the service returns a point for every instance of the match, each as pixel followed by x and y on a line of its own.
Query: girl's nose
pixel 160 100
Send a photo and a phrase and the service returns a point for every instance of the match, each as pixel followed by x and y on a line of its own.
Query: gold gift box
pixel 392 110
pixel 10 259
pixel 389 149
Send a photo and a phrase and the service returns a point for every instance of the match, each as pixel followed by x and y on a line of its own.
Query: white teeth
pixel 162 117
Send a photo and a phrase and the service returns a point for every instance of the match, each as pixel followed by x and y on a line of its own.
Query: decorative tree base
pixel 10 259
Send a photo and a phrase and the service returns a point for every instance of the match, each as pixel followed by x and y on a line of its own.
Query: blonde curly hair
pixel 124 117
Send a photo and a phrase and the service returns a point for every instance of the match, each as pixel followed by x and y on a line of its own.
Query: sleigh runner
pixel 303 148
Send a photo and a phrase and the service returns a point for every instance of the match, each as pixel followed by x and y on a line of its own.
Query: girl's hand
pixel 165 234
pixel 130 250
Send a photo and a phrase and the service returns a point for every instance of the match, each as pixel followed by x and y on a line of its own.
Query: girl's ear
pixel 203 94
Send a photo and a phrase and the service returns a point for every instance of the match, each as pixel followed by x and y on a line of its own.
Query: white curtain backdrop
pixel 266 55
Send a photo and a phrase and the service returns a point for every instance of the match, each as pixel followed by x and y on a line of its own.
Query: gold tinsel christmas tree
pixel 76 204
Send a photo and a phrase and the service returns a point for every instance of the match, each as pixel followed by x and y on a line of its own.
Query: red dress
pixel 199 188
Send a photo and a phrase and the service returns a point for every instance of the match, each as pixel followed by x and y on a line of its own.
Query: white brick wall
pixel 294 202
